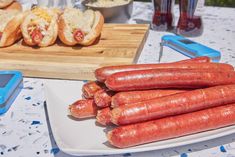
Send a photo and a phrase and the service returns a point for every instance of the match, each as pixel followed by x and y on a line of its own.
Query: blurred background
pixel 221 3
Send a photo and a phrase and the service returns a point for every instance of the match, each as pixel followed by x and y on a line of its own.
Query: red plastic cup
pixel 189 24
pixel 163 17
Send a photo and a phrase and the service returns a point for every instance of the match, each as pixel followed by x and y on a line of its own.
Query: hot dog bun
pixel 10 21
pixel 4 3
pixel 40 22
pixel 14 6
pixel 90 24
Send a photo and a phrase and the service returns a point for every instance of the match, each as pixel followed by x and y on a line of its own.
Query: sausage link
pixel 1 33
pixel 89 89
pixel 104 116
pixel 173 105
pixel 102 73
pixel 167 78
pixel 37 36
pixel 103 98
pixel 123 98
pixel 78 35
pixel 172 127
pixel 83 108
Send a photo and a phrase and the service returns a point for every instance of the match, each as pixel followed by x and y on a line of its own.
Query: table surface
pixel 24 130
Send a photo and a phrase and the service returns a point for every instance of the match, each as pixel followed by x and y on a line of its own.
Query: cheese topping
pixel 41 20
pixel 42 13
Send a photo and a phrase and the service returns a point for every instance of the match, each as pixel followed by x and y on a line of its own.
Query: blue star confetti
pixel 222 149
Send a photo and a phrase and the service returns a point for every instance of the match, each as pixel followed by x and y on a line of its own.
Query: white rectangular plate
pixel 84 137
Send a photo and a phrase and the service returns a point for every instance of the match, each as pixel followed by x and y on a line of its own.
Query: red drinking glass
pixel 163 16
pixel 189 23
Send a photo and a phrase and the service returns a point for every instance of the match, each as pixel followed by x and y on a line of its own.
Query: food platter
pixel 123 46
pixel 85 137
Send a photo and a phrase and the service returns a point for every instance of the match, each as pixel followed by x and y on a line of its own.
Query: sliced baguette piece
pixel 89 22
pixel 42 17
pixel 4 3
pixel 10 21
pixel 14 6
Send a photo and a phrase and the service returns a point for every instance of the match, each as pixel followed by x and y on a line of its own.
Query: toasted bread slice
pixel 10 21
pixel 4 3
pixel 89 22
pixel 14 6
pixel 45 20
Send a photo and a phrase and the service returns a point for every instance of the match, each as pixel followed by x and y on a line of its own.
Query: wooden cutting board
pixel 118 44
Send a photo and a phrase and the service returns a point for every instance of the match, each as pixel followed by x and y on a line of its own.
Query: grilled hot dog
pixel 102 73
pixel 168 78
pixel 103 98
pixel 104 116
pixel 83 109
pixel 89 89
pixel 171 127
pixel 123 98
pixel 174 104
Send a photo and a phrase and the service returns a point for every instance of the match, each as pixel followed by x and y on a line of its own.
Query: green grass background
pixel 222 3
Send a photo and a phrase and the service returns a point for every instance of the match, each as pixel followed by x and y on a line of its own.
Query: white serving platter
pixel 85 137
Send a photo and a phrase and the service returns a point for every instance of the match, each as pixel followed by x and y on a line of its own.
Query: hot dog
pixel 10 21
pixel 83 109
pixel 173 105
pixel 78 35
pixel 101 74
pixel 123 98
pixel 89 89
pixel 103 98
pixel 171 127
pixel 36 35
pixel 104 116
pixel 168 78
pixel 77 27
pixel 203 59
pixel 40 27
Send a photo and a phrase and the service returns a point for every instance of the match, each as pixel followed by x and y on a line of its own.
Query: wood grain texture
pixel 118 44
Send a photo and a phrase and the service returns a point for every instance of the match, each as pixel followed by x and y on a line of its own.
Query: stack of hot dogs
pixel 41 26
pixel 152 102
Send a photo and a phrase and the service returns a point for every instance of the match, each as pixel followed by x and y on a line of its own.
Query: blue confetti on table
pixel 29 88
pixel 126 154
pixel 28 98
pixel 35 122
pixel 222 149
pixel 184 155
pixel 55 150
pixel 15 147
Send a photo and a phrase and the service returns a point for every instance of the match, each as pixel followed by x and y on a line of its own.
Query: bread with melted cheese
pixel 89 22
pixel 44 19
pixel 10 21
